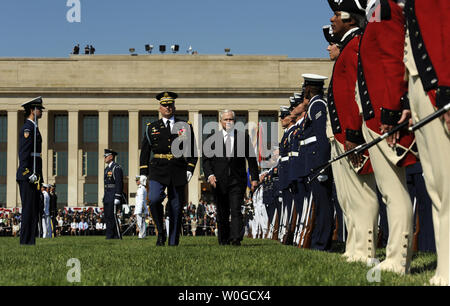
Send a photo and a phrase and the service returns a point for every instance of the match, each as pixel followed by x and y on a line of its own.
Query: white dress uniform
pixel 141 209
pixel 46 220
pixel 261 218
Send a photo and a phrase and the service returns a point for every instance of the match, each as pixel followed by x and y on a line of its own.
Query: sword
pixel 362 147
pixel 132 223
pixel 117 223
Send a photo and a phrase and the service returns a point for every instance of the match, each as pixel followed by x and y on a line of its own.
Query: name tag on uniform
pixel 318 115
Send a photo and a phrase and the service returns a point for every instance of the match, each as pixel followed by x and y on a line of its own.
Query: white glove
pixel 322 178
pixel 189 175
pixel 33 178
pixel 116 202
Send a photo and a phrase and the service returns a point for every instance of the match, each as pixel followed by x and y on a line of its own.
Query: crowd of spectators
pixel 197 220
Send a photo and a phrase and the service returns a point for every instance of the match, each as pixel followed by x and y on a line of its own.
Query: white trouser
pixel 140 219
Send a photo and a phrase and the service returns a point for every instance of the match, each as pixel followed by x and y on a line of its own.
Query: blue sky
pixel 39 28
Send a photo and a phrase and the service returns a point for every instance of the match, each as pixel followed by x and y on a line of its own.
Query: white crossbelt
pixel 308 140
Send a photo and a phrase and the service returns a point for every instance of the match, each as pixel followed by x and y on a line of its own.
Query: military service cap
pixel 35 103
pixel 109 152
pixel 166 97
pixel 284 111
pixel 314 79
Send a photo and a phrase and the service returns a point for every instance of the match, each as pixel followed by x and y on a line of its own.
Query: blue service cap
pixel 34 103
pixel 109 152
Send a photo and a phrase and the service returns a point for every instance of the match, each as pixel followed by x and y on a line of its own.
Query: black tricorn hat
pixel 349 6
pixel 109 152
pixel 35 103
pixel 329 36
pixel 166 97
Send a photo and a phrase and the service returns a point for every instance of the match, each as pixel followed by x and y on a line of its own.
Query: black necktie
pixel 168 126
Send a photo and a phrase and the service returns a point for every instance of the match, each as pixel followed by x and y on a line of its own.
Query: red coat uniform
pixel 428 23
pixel 346 121
pixel 381 73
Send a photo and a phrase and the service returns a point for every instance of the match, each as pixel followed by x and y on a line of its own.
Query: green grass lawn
pixel 197 261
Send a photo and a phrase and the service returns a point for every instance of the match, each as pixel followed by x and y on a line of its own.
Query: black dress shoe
pixel 160 241
pixel 235 242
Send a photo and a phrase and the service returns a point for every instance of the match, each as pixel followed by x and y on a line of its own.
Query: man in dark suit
pixel 168 168
pixel 224 167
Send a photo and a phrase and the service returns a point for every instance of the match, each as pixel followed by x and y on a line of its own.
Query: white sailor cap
pixel 314 79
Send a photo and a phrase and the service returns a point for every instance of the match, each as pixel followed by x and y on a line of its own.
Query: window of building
pixel 90 193
pixel 122 160
pixel 90 163
pixel 90 129
pixel 60 163
pixel 61 190
pixel 3 163
pixel 61 132
pixel 2 194
pixel 182 116
pixel 120 128
pixel 3 128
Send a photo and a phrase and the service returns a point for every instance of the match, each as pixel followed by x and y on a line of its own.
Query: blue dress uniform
pixel 270 194
pixel 296 163
pixel 315 150
pixel 164 170
pixel 113 179
pixel 29 174
pixel 284 183
pixel 423 210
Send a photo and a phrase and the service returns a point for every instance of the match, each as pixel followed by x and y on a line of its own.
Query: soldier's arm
pixel 207 164
pixel 118 178
pixel 192 158
pixel 318 115
pixel 145 154
pixel 353 119
pixel 26 150
pixel 251 159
